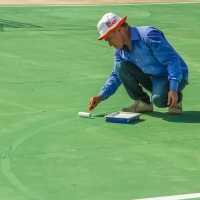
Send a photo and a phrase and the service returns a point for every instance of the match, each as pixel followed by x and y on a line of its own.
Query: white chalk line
pixel 61 110
pixel 36 111
pixel 18 105
pixel 96 5
pixel 176 197
pixel 40 111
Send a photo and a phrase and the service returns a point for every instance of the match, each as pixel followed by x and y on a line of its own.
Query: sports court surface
pixel 51 64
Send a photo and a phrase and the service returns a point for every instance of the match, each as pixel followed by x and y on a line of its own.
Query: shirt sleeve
pixel 166 55
pixel 113 81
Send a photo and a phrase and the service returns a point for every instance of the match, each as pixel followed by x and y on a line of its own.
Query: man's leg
pixel 132 77
pixel 160 89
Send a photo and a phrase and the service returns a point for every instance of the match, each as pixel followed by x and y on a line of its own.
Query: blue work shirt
pixel 152 53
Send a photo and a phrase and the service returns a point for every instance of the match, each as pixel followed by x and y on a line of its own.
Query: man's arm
pixel 168 57
pixel 110 87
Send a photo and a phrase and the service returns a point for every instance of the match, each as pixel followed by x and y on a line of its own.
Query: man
pixel 143 58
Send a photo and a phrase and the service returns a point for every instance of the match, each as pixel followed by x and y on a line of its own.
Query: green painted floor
pixel 51 63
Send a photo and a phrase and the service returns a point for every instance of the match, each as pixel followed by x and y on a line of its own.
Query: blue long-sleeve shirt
pixel 152 53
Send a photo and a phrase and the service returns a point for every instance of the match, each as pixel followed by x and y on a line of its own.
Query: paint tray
pixel 122 117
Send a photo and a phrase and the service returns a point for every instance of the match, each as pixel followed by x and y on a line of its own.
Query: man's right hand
pixel 94 101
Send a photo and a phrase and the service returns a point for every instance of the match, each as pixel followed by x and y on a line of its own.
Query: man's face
pixel 115 39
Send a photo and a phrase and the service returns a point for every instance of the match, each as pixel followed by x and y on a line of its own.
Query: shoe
pixel 139 107
pixel 177 110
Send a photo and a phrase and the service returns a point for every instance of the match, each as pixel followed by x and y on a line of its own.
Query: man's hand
pixel 94 101
pixel 172 98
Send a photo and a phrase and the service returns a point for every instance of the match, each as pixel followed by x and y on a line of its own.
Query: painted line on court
pixel 60 110
pixel 176 197
pixel 41 111
pixel 6 161
pixel 94 5
pixel 18 105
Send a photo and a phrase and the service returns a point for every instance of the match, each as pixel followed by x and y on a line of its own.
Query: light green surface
pixel 51 64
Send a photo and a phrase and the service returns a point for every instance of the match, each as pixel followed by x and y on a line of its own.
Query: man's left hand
pixel 172 98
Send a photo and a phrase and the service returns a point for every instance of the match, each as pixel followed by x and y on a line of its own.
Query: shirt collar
pixel 134 36
pixel 134 33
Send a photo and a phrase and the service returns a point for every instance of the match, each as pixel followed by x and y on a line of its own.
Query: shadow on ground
pixel 14 24
pixel 185 117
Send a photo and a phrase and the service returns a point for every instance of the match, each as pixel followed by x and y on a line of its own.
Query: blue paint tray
pixel 122 117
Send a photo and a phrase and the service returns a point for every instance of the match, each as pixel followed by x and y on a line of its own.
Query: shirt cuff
pixel 102 93
pixel 173 85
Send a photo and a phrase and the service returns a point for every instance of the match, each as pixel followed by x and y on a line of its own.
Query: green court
pixel 51 63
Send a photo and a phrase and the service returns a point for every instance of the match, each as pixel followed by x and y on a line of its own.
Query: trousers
pixel 133 79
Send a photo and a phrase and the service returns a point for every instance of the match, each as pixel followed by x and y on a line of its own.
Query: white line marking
pixel 176 197
pixel 19 105
pixel 41 111
pixel 94 5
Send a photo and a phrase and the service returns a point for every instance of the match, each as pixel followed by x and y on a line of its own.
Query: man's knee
pixel 159 101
